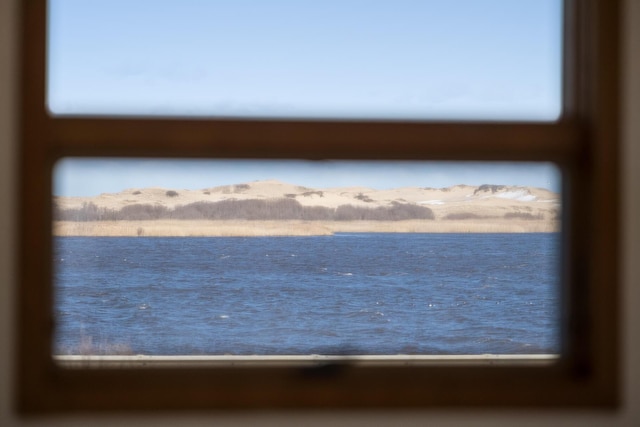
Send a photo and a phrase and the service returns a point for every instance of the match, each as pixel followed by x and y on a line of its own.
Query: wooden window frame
pixel 583 142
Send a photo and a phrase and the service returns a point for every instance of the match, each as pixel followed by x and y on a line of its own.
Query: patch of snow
pixel 431 202
pixel 521 196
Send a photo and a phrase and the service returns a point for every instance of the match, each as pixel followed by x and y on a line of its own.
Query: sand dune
pixel 461 208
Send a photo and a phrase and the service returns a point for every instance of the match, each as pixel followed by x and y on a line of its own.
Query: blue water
pixel 342 294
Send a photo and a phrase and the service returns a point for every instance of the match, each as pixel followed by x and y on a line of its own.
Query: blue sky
pixel 345 59
pixel 90 177
pixel 417 59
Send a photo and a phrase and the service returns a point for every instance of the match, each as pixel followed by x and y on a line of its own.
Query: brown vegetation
pixel 464 216
pixel 489 188
pixel 523 215
pixel 254 209
pixel 245 228
pixel 87 346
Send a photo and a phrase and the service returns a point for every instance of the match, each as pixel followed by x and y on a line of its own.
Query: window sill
pixel 315 360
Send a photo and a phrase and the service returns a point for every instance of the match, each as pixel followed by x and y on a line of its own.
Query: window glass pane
pixel 163 257
pixel 408 59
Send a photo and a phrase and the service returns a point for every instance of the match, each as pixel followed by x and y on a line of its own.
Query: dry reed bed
pixel 202 228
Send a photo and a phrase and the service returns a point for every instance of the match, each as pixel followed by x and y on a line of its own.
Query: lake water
pixel 344 294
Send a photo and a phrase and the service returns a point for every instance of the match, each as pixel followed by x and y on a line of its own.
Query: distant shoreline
pixel 247 228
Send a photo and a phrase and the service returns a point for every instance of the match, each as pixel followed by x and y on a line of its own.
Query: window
pixel 582 142
pixel 305 257
pixel 340 60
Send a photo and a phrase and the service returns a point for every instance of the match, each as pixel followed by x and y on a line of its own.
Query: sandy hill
pixel 456 202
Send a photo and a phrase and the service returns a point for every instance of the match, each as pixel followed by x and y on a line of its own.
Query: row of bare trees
pixel 275 209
